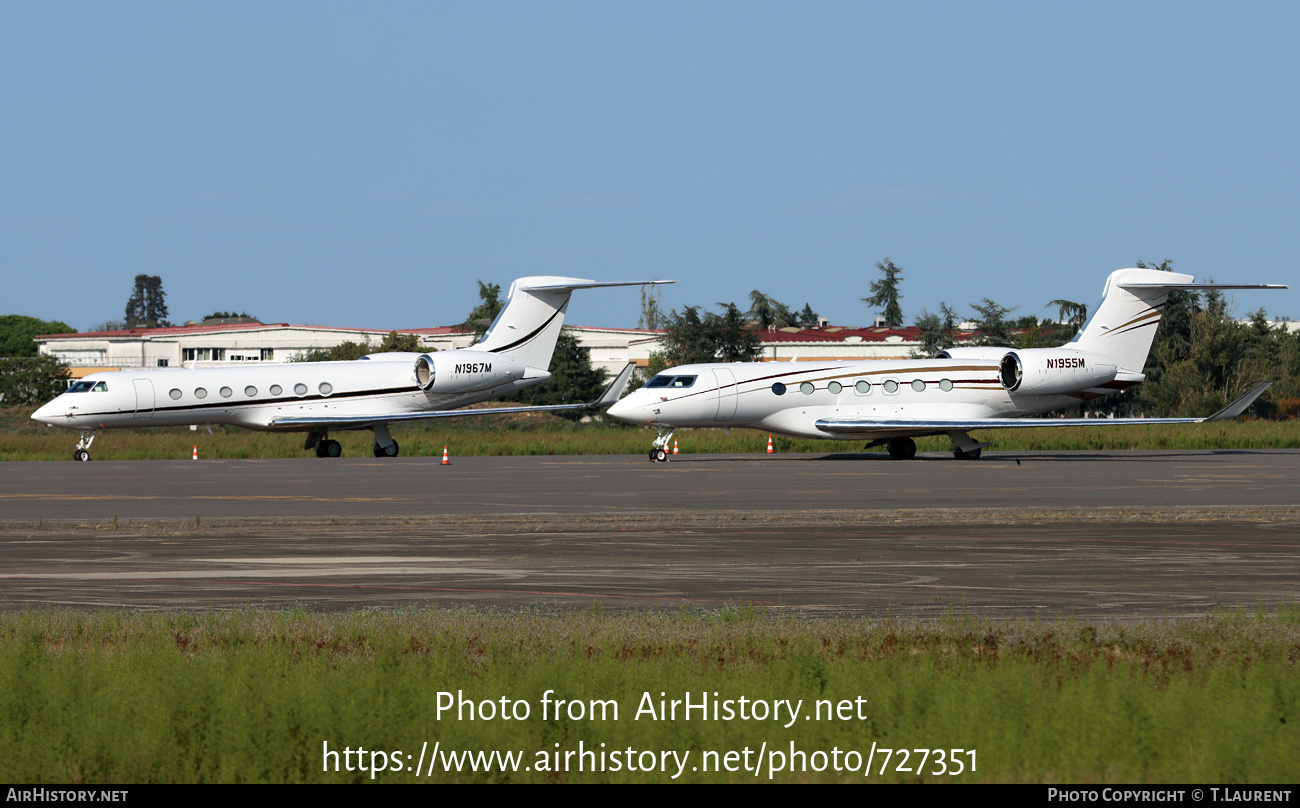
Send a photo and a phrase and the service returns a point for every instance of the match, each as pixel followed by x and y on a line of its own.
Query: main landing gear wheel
pixel 329 448
pixel 901 448
pixel 81 454
pixel 386 451
pixel 973 454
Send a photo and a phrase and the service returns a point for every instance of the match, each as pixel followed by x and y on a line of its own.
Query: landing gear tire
pixel 386 451
pixel 81 455
pixel 660 456
pixel 329 448
pixel 973 454
pixel 902 448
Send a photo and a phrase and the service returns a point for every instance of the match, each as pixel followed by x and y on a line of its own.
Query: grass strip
pixel 253 696
pixel 545 434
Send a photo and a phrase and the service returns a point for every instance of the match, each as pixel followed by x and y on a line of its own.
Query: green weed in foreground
pixel 545 434
pixel 254 696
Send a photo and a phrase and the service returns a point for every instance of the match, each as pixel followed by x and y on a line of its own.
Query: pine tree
pixel 884 293
pixel 147 306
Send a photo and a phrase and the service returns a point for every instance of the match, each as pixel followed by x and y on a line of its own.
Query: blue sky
pixel 364 164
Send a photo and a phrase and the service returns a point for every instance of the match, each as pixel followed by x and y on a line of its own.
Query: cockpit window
pixel 671 381
pixel 85 387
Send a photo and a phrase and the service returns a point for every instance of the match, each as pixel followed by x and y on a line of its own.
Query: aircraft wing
pixel 611 394
pixel 846 426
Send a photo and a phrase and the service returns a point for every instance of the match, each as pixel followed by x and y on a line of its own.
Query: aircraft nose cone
pixel 622 410
pixel 44 414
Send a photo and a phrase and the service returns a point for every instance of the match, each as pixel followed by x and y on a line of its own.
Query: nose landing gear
pixel 659 452
pixel 82 452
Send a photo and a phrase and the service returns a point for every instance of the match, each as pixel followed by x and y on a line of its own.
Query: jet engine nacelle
pixel 1051 371
pixel 465 371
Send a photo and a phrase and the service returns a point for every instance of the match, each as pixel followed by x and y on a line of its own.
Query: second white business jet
pixel 891 402
pixel 316 397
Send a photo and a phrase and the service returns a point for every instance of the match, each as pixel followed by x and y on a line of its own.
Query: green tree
pixel 652 315
pixel 147 306
pixel 991 324
pixel 228 315
pixel 768 312
pixel 938 331
pixel 884 293
pixel 18 332
pixel 26 380
pixel 490 305
pixel 808 318
pixel 573 379
pixel 1071 313
pixel 692 337
pixel 392 342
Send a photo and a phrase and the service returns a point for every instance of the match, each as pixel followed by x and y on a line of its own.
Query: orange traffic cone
pixel 674 445
pixel 770 450
pixel 445 461
pixel 196 452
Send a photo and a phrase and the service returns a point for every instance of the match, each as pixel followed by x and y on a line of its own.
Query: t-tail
pixel 529 325
pixel 1133 300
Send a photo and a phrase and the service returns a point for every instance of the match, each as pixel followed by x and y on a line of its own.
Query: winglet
pixel 1239 406
pixel 615 390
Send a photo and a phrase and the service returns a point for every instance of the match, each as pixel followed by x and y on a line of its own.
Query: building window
pixel 162 363
pixel 202 354
pixel 268 354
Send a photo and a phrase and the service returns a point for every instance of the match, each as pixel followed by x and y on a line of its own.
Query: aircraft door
pixel 726 394
pixel 143 399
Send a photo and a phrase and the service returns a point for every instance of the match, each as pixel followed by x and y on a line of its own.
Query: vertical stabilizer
pixel 1125 323
pixel 530 323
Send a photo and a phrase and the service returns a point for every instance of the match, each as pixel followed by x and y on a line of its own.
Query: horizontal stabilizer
pixel 1194 286
pixel 552 284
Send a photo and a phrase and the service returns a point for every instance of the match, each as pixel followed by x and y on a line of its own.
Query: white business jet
pixel 890 402
pixel 316 397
